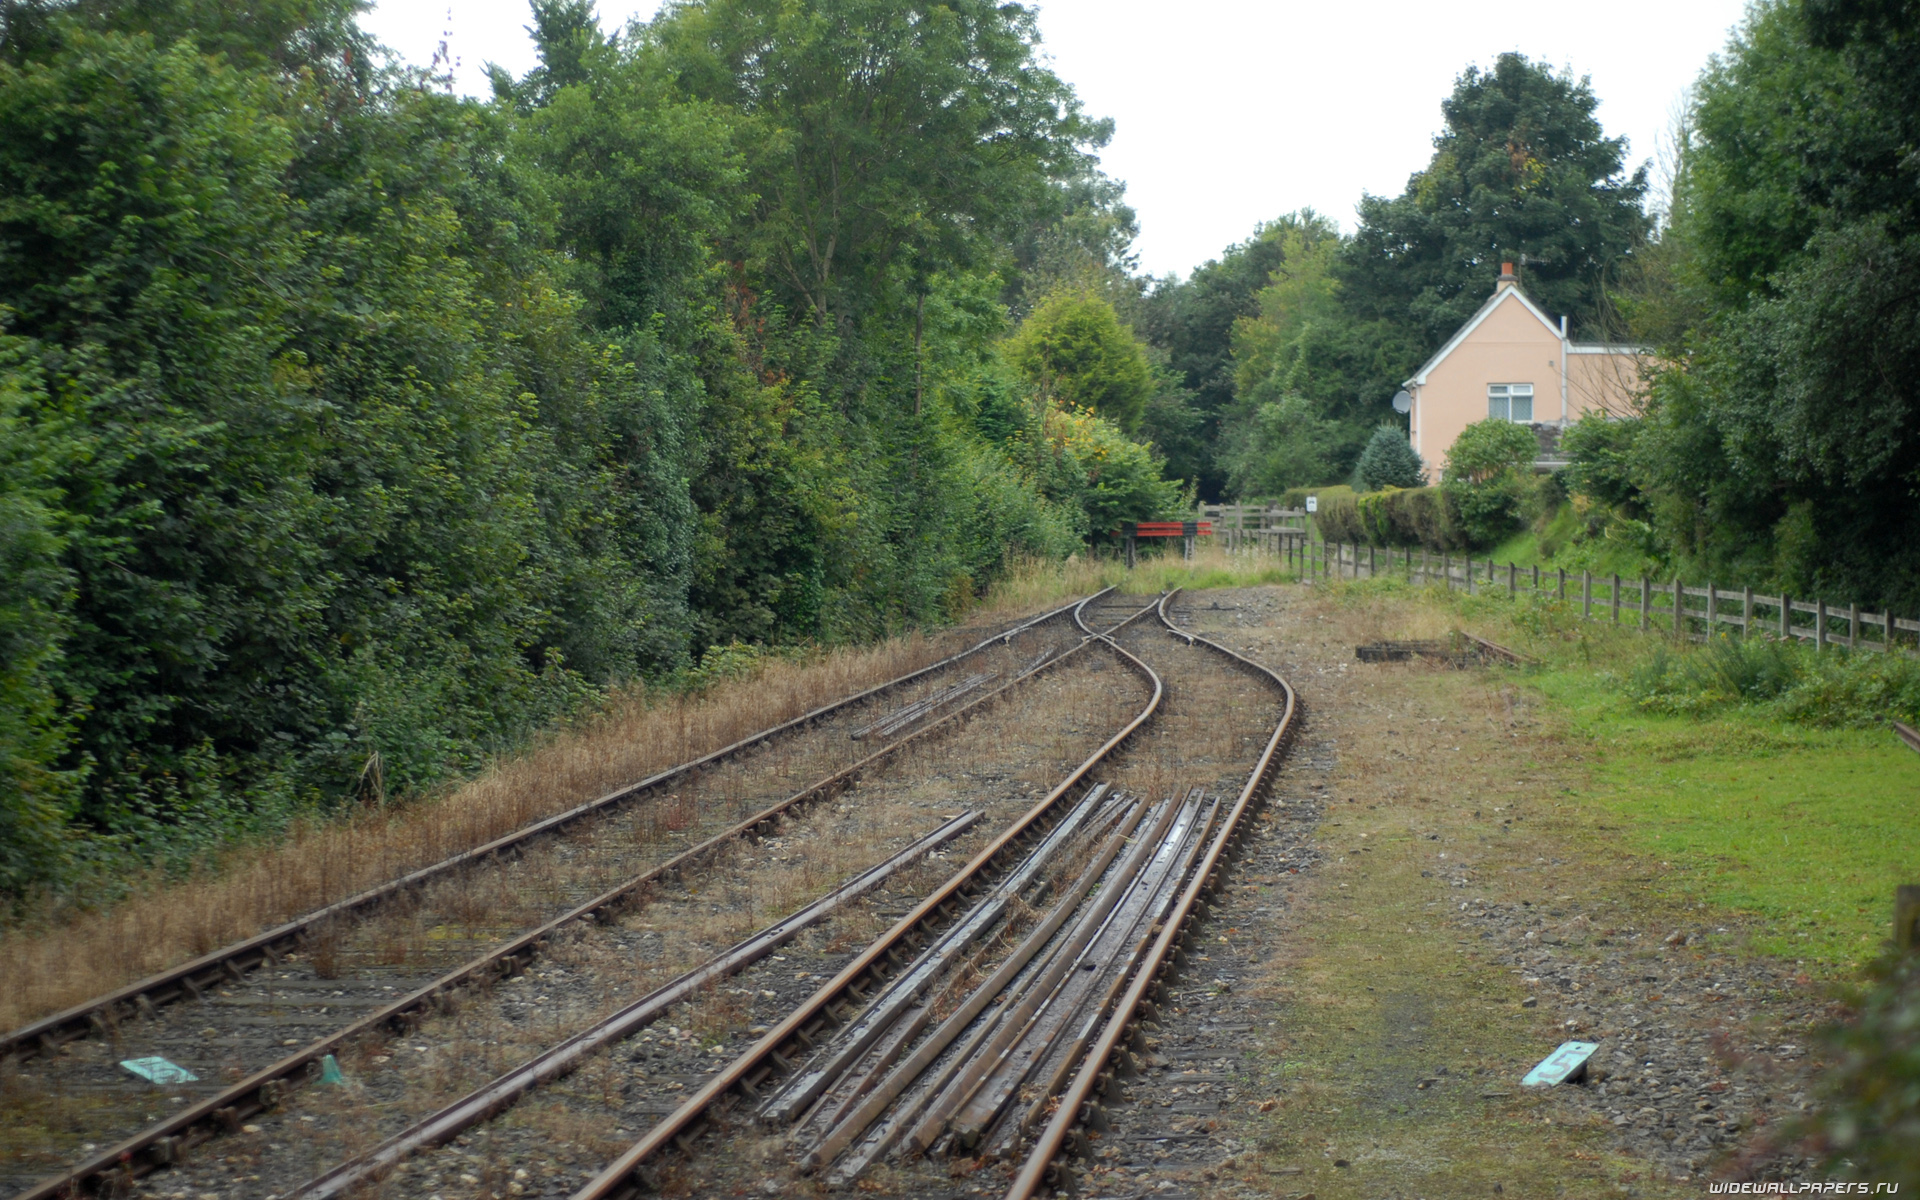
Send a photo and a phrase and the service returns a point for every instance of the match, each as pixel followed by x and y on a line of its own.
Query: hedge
pixel 1422 516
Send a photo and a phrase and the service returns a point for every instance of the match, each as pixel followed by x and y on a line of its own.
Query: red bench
pixel 1188 530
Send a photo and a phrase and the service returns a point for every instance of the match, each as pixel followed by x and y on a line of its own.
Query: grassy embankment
pixel 1551 791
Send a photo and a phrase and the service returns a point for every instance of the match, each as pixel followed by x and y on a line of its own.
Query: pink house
pixel 1513 362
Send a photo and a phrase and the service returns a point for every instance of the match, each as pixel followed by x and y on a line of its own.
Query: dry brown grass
pixel 57 959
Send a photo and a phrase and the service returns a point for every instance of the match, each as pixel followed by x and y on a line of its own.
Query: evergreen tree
pixel 1520 172
pixel 1390 461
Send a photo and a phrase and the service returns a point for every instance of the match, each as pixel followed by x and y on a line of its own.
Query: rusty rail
pixel 162 1143
pixel 828 1007
pixel 230 962
pixel 487 1101
pixel 1907 734
pixel 1093 1075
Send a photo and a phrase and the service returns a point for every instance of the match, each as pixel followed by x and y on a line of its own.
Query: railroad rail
pixel 189 980
pixel 895 968
pixel 558 1061
pixel 1078 1104
pixel 165 1141
pixel 915 1053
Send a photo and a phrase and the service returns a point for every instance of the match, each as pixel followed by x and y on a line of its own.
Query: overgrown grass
pixel 1759 775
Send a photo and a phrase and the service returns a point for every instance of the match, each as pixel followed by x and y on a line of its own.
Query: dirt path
pixel 1421 920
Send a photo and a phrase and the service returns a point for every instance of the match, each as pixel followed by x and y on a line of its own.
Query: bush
pixel 1338 518
pixel 1411 517
pixel 1485 479
pixel 1389 461
pixel 1599 450
pixel 1811 687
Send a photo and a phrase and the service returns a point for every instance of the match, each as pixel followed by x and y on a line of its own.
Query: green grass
pixel 1805 831
pixel 1798 830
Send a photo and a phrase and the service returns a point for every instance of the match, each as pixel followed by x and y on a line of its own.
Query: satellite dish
pixel 1402 401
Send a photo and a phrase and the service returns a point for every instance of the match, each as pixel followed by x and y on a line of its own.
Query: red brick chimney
pixel 1507 278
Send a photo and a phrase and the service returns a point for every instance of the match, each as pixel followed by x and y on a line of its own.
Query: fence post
pixel 1563 585
pixel 1679 608
pixel 1853 625
pixel 1646 604
pixel 1586 595
pixel 1713 608
pixel 1130 545
pixel 1820 630
pixel 1513 579
pixel 1536 577
pixel 1746 612
pixel 1786 617
pixel 1370 560
pixel 1446 568
pixel 1906 916
pixel 1469 574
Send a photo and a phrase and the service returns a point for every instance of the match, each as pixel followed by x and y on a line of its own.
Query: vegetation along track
pixel 977 1034
pixel 378 963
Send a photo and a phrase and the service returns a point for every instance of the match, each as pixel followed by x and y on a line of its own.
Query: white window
pixel 1510 402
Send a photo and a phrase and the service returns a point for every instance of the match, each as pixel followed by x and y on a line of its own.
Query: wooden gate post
pixel 1586 595
pixel 1746 612
pixel 1679 608
pixel 1513 579
pixel 1616 597
pixel 1786 617
pixel 1820 629
pixel 1713 609
pixel 1646 604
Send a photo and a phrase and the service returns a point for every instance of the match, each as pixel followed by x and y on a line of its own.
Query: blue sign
pixel 159 1071
pixel 1568 1062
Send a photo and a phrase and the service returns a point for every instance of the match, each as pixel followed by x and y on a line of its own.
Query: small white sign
pixel 1313 504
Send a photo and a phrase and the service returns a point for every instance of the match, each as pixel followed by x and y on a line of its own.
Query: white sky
pixel 1231 112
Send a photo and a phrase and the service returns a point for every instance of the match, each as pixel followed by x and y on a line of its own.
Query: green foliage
pixel 1419 516
pixel 1520 172
pixel 36 797
pixel 1389 461
pixel 1280 444
pixel 1599 451
pixel 1869 1117
pixel 1074 349
pixel 1781 440
pixel 1795 682
pixel 345 422
pixel 1486 479
pixel 1193 322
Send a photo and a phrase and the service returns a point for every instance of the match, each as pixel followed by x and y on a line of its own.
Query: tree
pixel 1305 343
pixel 1520 172
pixel 1192 321
pixel 887 141
pixel 1390 461
pixel 1075 350
pixel 1783 436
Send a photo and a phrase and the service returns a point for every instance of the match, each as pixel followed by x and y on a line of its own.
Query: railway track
pixel 990 1020
pixel 254 1019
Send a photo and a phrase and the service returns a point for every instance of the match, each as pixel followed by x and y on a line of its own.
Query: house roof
pixel 1494 301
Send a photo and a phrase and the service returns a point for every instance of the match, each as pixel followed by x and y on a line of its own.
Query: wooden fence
pixel 1253 528
pixel 1692 612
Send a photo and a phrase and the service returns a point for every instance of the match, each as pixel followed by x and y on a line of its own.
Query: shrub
pixel 1411 517
pixel 1389 461
pixel 1801 684
pixel 1485 480
pixel 1338 518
